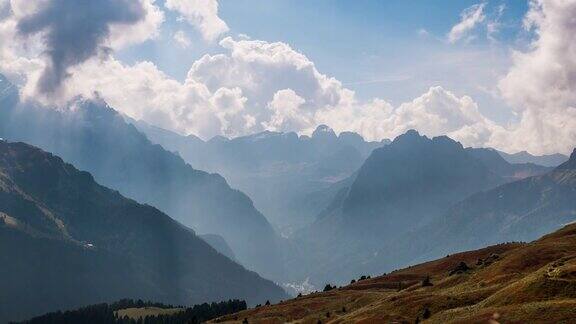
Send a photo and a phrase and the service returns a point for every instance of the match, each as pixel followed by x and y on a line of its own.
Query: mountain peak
pixel 410 137
pixel 323 131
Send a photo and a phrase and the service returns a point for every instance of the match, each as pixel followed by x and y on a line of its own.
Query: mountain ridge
pixel 277 170
pixel 81 243
pixel 94 137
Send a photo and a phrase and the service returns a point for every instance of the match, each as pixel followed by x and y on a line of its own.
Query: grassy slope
pixel 526 283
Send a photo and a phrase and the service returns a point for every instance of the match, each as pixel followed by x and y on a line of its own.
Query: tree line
pixel 107 313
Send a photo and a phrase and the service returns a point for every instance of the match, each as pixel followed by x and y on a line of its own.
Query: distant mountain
pixel 411 180
pixel 66 241
pixel 551 160
pixel 279 171
pixel 95 138
pixel 401 187
pixel 508 170
pixel 517 211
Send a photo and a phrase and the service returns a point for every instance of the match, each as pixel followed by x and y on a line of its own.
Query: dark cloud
pixel 75 31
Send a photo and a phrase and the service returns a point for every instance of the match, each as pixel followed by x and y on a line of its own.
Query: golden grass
pixel 520 283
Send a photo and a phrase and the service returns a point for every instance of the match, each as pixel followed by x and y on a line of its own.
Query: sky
pixel 487 73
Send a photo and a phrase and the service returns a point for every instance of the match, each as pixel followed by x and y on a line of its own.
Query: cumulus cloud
pixel 261 69
pixel 148 27
pixel 469 19
pixel 287 114
pixel 18 60
pixel 77 38
pixel 253 85
pixel 38 48
pixel 144 92
pixel 436 112
pixel 202 14
pixel 256 85
pixel 541 85
pixel 234 93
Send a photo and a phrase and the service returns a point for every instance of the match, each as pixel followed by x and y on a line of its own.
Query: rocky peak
pixel 323 131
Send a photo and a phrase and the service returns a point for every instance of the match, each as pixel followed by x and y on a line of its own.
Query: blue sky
pixel 376 48
pixel 468 69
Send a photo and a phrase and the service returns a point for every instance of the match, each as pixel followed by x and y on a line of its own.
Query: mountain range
pixel 288 176
pixel 95 138
pixel 399 196
pixel 66 241
pixel 521 210
pixel 551 160
pixel 334 207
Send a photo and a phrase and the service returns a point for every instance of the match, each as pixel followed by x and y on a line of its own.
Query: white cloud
pixel 261 69
pixel 253 85
pixel 23 57
pixel 436 112
pixel 181 39
pixel 122 35
pixel 469 19
pixel 287 115
pixel 202 14
pixel 541 85
pixel 19 60
pixel 144 92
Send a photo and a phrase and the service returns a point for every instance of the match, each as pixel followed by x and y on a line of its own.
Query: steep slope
pixel 279 171
pixel 400 187
pixel 411 180
pixel 95 138
pixel 506 283
pixel 66 241
pixel 517 211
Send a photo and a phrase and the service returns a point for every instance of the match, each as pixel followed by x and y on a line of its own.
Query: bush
pixel 426 314
pixel 462 267
pixel 426 282
pixel 328 287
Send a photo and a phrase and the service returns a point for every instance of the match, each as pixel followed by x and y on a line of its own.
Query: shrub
pixel 426 314
pixel 328 287
pixel 426 282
